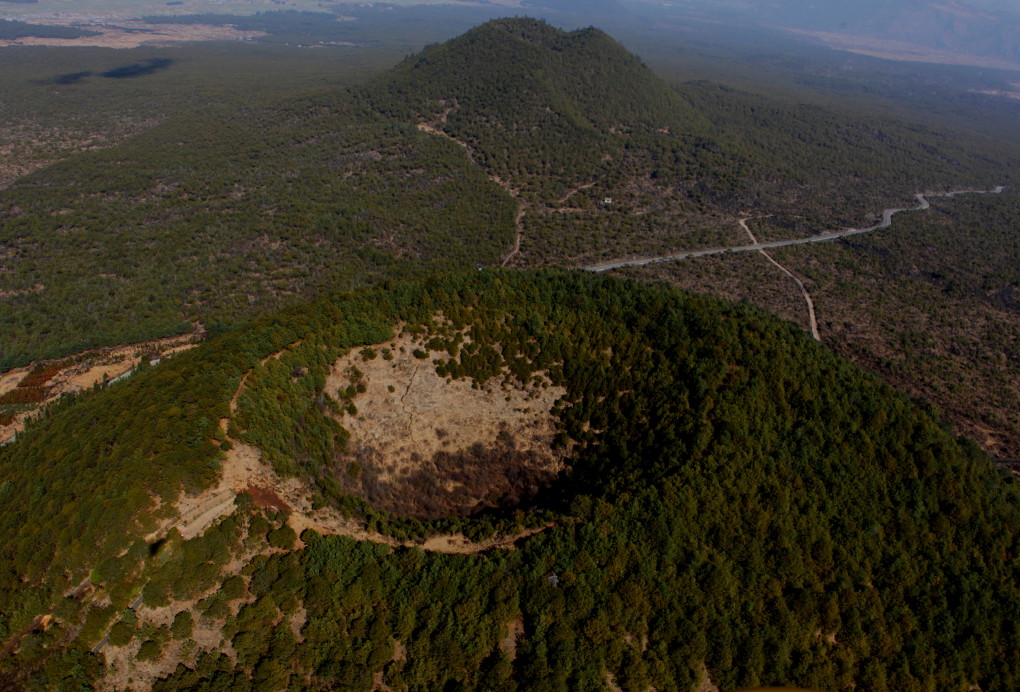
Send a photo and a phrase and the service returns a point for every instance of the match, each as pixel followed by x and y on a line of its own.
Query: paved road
pixel 823 237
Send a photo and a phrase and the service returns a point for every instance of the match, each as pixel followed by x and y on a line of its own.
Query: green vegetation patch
pixel 738 496
pixel 12 29
pixel 239 210
pixel 249 222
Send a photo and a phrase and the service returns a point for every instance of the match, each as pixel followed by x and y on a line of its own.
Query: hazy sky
pixel 839 7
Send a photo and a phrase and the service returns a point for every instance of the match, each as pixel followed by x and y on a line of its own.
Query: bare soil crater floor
pixel 427 446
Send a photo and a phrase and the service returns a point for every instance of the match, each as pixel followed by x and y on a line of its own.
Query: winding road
pixel 922 198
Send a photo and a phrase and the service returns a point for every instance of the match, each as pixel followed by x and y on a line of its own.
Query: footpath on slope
pixel 521 207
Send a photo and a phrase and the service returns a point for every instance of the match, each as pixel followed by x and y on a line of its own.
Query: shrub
pixel 183 623
pixel 121 633
pixel 233 588
pixel 282 538
pixel 149 651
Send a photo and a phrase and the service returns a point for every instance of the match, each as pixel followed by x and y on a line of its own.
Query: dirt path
pixel 887 215
pixel 244 469
pixel 519 223
pixel 573 191
pixel 521 207
pixel 812 322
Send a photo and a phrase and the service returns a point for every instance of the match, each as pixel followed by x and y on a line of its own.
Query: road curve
pixel 822 237
pixel 812 319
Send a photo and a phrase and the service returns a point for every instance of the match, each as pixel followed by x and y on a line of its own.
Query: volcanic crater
pixel 429 446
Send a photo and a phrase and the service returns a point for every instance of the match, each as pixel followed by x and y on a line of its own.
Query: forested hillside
pixel 218 217
pixel 570 120
pixel 617 483
pixel 740 503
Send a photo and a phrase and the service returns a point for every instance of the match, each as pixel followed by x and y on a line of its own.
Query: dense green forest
pixel 11 29
pixel 214 220
pixel 930 306
pixel 220 216
pixel 740 501
pixel 585 112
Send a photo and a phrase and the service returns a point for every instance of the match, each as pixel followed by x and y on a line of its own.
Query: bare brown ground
pixel 125 672
pixel 514 631
pixel 91 368
pixel 705 683
pixel 129 33
pixel 243 467
pixel 266 498
pixel 429 446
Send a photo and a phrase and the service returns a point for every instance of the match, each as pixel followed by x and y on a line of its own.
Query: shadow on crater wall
pixel 461 483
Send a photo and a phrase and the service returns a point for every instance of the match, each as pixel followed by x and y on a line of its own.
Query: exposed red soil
pixel 266 498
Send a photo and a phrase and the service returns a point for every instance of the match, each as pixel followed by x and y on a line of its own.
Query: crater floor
pixel 429 446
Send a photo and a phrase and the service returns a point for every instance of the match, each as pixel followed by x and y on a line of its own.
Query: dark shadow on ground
pixel 139 69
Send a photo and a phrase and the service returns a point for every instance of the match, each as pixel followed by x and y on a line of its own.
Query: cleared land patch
pixel 75 374
pixel 109 32
pixel 429 446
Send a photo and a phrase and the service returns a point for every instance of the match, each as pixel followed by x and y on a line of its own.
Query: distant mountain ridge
pixel 986 29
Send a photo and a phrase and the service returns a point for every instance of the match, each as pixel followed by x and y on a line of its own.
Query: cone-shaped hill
pixel 520 74
pixel 516 130
pixel 538 104
pixel 506 481
pixel 608 160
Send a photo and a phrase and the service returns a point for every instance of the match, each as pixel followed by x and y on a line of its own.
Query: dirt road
pixel 812 321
